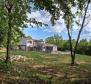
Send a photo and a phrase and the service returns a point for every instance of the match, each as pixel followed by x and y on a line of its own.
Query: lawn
pixel 45 68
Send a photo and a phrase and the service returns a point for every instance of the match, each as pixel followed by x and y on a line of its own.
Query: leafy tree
pixel 88 52
pixel 56 39
pixel 83 46
pixel 68 16
pixel 16 36
pixel 12 16
pixel 82 26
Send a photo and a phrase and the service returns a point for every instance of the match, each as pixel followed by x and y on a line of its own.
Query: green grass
pixel 46 69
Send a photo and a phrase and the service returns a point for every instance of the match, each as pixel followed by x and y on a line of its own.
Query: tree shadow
pixel 50 74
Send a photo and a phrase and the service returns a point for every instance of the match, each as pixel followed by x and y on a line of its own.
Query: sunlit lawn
pixel 46 68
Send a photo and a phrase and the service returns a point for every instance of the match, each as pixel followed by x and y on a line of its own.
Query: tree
pixel 82 26
pixel 65 7
pixel 13 15
pixel 69 22
pixel 83 46
pixel 16 36
pixel 56 39
pixel 88 51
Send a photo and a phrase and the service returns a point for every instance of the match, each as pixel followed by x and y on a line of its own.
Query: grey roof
pixel 47 44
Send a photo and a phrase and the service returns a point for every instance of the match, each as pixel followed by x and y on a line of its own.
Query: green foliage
pixel 49 6
pixel 17 17
pixel 84 46
pixel 81 4
pixel 18 12
pixel 2 35
pixel 53 69
pixel 5 67
pixel 46 68
pixel 56 39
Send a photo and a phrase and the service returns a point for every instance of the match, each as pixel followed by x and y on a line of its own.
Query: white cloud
pixel 41 16
pixel 86 33
pixel 60 26
pixel 44 17
pixel 87 25
pixel 46 30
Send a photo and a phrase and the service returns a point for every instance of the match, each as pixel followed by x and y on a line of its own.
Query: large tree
pixel 82 26
pixel 82 7
pixel 64 8
pixel 55 39
pixel 12 16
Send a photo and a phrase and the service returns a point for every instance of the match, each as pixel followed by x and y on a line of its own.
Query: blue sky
pixel 38 33
pixel 44 32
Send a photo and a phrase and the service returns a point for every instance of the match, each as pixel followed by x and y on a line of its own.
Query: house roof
pixel 37 40
pixel 50 45
pixel 27 38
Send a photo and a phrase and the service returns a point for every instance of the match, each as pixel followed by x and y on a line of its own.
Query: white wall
pixel 23 47
pixel 26 42
pixel 23 41
pixel 54 48
pixel 29 44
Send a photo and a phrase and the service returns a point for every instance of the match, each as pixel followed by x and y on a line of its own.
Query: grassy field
pixel 44 68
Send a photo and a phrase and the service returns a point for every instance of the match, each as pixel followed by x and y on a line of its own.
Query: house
pixel 25 43
pixel 49 47
pixel 36 45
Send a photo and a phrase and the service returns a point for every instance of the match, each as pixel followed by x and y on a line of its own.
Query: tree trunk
pixel 70 41
pixel 8 47
pixel 82 26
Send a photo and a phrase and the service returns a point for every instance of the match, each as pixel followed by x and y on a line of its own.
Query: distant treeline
pixel 84 46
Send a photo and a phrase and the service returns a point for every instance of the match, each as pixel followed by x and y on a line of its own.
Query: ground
pixel 44 68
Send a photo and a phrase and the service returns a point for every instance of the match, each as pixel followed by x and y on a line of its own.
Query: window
pixel 30 42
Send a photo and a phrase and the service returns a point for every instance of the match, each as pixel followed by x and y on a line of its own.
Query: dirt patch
pixel 37 66
pixel 2 50
pixel 48 70
pixel 81 62
pixel 20 58
pixel 17 58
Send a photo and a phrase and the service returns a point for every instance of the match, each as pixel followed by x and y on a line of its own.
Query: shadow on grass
pixel 13 73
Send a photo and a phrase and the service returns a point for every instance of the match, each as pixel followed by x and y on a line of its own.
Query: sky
pixel 59 28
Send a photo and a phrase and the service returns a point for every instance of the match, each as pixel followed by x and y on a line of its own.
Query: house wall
pixel 43 49
pixel 22 41
pixel 49 48
pixel 54 48
pixel 36 45
pixel 25 44
pixel 22 47
pixel 29 43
